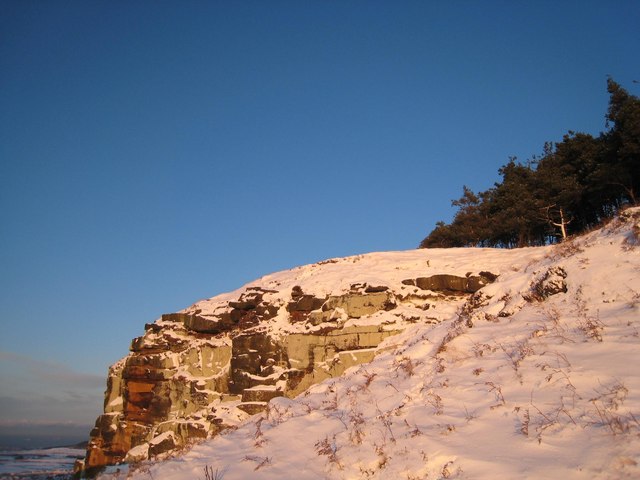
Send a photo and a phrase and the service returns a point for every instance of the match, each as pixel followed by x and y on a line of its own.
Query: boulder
pixel 252 407
pixel 261 393
pixel 305 303
pixel 163 443
pixel 547 283
pixel 137 454
pixel 200 324
pixel 358 305
pixel 452 284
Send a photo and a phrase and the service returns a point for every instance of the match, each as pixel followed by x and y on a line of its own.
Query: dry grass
pixel 329 449
pixel 404 364
pixel 497 391
pixel 259 461
pixel 211 474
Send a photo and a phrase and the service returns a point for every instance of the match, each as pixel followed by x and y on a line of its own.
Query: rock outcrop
pixel 203 370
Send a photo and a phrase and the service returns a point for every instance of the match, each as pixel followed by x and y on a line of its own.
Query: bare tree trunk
pixel 563 225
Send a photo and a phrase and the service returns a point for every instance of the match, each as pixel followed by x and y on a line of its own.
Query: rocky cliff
pixel 195 373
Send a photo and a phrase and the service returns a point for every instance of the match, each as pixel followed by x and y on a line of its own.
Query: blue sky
pixel 156 153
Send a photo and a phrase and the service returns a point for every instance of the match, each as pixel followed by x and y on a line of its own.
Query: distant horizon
pixel 42 434
pixel 41 441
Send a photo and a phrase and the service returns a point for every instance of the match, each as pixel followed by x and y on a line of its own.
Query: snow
pixel 336 277
pixel 505 386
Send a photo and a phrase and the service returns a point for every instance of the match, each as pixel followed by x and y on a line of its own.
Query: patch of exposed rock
pixel 198 372
pixel 453 284
pixel 547 283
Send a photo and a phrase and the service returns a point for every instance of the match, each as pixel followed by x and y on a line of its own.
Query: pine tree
pixel 514 209
pixel 623 142
pixel 576 184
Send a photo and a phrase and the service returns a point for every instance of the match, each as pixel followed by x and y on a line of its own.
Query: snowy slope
pixel 338 276
pixel 535 376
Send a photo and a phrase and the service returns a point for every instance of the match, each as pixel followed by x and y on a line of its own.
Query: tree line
pixel 574 185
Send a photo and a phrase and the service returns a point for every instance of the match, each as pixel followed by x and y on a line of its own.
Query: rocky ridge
pixel 197 372
pixel 538 361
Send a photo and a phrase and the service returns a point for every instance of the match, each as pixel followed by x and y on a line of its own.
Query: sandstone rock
pixel 452 284
pixel 488 276
pixel 312 356
pixel 162 341
pixel 173 317
pixel 375 289
pixel 250 309
pixel 137 454
pixel 547 283
pixel 205 324
pixel 252 354
pixel 253 407
pixel 184 430
pixel 305 303
pixel 158 387
pixel 111 439
pixel 359 305
pixel 261 393
pixel 193 374
pixel 163 443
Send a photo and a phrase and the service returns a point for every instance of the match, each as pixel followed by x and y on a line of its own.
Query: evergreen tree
pixel 514 210
pixel 621 169
pixel 576 184
pixel 563 177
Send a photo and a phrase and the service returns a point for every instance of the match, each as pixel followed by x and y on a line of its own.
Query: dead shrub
pixel 211 474
pixel 329 449
pixel 404 364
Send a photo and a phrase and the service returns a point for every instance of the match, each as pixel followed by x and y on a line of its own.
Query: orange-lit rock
pixel 196 373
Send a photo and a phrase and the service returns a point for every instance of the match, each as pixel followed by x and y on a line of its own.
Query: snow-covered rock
pixel 207 368
pixel 529 370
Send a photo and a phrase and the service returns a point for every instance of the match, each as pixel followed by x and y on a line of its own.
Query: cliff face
pixel 207 368
pixel 541 362
pixel 538 361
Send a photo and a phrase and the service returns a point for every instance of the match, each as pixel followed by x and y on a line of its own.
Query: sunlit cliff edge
pixel 434 363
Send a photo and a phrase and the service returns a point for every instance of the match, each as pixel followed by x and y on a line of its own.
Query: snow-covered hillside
pixel 536 375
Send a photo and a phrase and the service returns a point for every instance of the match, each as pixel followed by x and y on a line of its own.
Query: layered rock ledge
pixel 195 373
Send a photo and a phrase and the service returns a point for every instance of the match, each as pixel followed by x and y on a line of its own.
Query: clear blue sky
pixel 156 153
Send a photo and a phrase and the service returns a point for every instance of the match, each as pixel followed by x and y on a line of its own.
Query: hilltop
pixel 532 373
